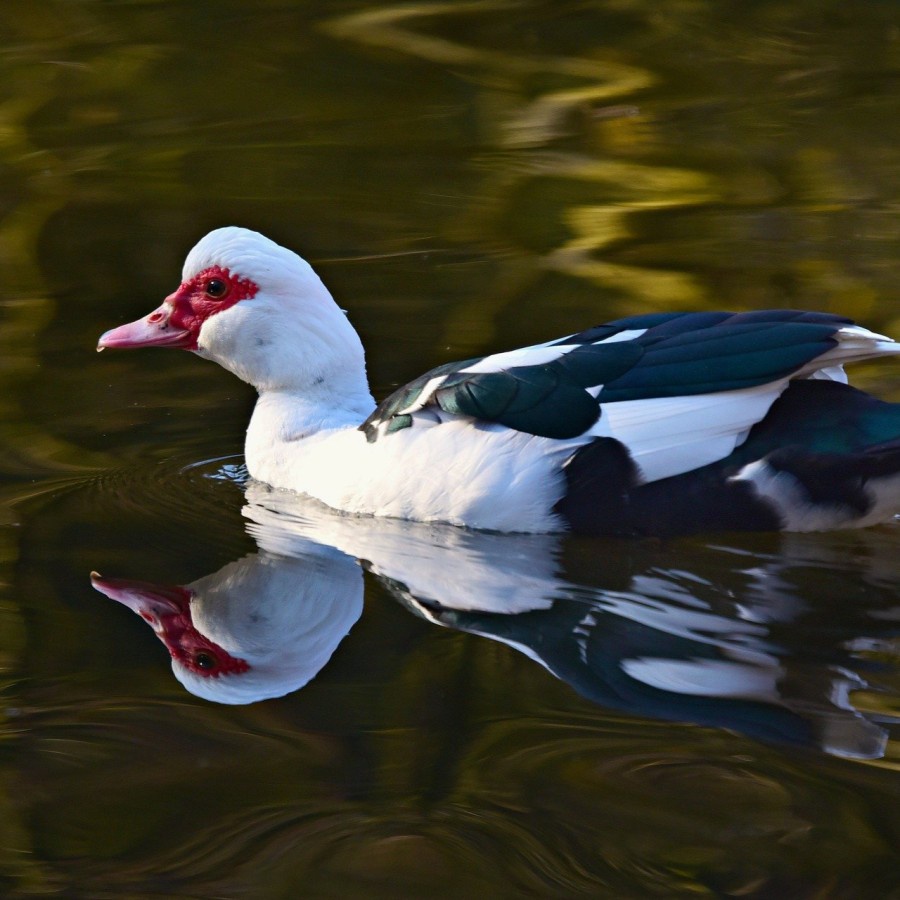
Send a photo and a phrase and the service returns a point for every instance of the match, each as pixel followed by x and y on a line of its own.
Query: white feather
pixel 670 435
pixel 501 479
pixel 629 335
pixel 537 355
pixel 830 373
pixel 855 343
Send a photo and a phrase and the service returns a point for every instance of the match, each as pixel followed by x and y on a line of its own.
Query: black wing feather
pixel 678 354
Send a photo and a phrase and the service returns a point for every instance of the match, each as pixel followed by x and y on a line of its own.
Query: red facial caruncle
pixel 178 320
pixel 211 291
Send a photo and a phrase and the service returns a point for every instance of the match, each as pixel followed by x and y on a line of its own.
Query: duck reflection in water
pixel 728 644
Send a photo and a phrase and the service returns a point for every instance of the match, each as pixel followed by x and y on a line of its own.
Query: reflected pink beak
pixel 167 610
pixel 152 602
pixel 154 330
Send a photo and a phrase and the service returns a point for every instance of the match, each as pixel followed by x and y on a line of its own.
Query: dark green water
pixel 713 717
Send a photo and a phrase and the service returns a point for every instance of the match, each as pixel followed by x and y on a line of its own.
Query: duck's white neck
pixel 285 415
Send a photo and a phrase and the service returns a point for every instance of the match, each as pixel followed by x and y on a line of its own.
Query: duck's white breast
pixel 482 477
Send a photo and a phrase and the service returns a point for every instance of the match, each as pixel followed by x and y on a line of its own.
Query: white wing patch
pixel 670 435
pixel 623 336
pixel 538 355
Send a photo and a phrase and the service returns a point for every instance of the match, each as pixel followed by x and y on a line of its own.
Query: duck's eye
pixel 205 661
pixel 215 288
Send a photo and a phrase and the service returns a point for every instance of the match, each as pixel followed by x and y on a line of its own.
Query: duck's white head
pixel 257 309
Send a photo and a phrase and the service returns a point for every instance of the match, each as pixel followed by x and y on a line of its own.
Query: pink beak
pixel 154 330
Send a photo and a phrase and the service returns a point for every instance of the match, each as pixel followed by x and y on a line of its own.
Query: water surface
pixel 513 715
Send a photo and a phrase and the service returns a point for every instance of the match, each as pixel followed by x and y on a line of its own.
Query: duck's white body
pixel 536 439
pixel 502 480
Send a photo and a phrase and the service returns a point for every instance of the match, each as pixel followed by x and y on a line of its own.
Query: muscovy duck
pixel 659 424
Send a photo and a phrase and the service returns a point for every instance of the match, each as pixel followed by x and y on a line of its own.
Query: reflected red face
pixel 192 649
pixel 167 610
pixel 211 291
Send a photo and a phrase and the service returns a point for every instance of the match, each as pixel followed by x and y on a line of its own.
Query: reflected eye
pixel 215 288
pixel 205 661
